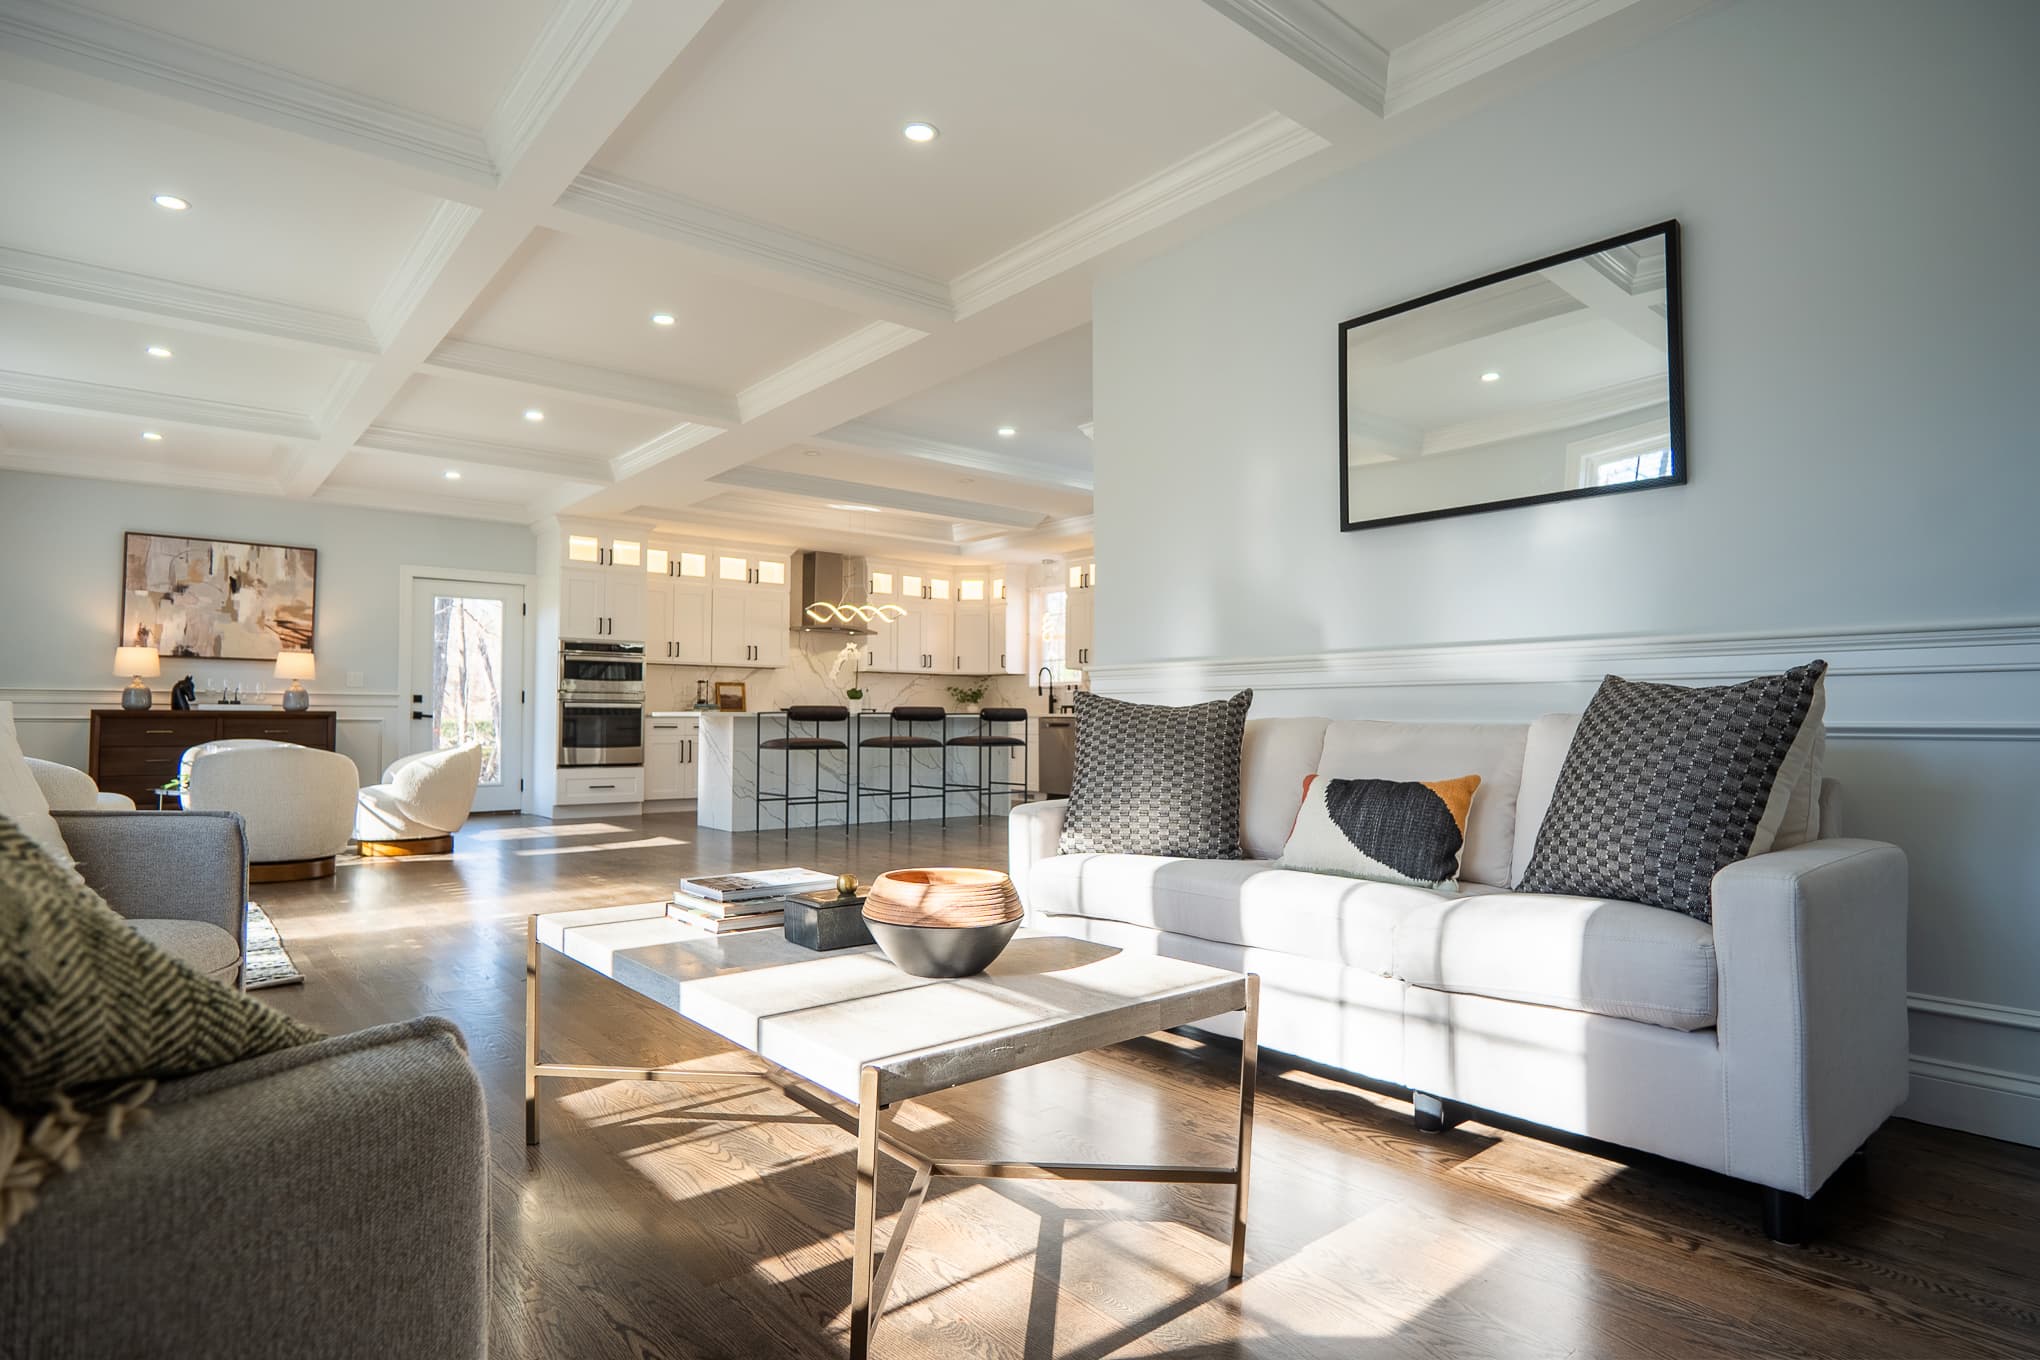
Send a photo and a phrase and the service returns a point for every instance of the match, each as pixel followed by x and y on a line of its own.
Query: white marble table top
pixel 824 1017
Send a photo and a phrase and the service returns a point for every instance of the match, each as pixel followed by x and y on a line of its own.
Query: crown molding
pixel 674 217
pixel 107 467
pixel 874 438
pixel 422 503
pixel 1483 40
pixel 134 55
pixel 574 32
pixel 839 359
pixel 658 449
pixel 1315 37
pixel 101 399
pixel 455 448
pixel 468 358
pixel 421 267
pixel 1226 166
pixel 890 498
pixel 116 292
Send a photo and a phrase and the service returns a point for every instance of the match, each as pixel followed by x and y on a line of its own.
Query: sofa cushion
pixel 1277 756
pixel 1156 780
pixel 1665 785
pixel 21 797
pixel 201 944
pixel 1596 955
pixel 1395 750
pixel 1249 903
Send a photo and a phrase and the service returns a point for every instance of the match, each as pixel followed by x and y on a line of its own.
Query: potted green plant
pixel 968 697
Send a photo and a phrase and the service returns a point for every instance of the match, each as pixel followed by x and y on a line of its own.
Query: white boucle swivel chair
pixel 422 801
pixel 296 802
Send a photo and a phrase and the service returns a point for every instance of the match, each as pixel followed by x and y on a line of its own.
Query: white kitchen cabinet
pixel 672 760
pixel 749 609
pixel 677 621
pixel 938 639
pixel 973 653
pixel 599 549
pixel 1079 619
pixel 602 602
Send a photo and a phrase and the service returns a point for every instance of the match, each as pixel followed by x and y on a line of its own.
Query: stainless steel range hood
pixel 831 594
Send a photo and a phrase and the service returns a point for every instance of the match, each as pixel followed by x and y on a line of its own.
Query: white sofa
pixel 296 802
pixel 424 798
pixel 1768 1045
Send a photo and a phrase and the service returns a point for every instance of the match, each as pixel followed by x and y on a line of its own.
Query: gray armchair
pixel 328 1202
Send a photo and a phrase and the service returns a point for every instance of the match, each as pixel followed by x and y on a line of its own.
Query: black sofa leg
pixel 1788 1218
pixel 1434 1115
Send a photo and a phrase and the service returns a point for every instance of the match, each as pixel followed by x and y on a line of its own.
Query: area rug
pixel 267 963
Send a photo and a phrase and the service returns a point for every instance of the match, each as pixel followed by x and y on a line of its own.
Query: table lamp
pixel 136 662
pixel 295 666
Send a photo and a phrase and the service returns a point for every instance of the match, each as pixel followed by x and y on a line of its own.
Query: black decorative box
pixel 824 921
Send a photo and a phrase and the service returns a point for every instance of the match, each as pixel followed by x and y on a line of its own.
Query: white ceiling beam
pixel 590 66
pixel 1317 38
pixel 784 260
pixel 831 363
pixel 656 450
pixel 451 448
pixel 76 286
pixel 843 531
pixel 426 503
pixel 109 467
pixel 832 489
pixel 1604 403
pixel 1054 535
pixel 1614 303
pixel 171 79
pixel 470 360
pixel 867 437
pixel 75 397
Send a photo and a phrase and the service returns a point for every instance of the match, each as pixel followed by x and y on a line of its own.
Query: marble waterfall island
pixel 729 772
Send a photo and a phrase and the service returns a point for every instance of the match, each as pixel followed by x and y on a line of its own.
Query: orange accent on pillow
pixel 1456 794
pixel 1306 798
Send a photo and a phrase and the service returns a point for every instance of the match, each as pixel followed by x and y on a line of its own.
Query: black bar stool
pixel 986 740
pixel 901 736
pixel 815 716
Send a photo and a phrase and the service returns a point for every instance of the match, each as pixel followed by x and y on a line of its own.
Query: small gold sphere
pixel 846 885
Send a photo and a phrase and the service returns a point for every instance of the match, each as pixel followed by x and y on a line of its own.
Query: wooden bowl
pixel 943 898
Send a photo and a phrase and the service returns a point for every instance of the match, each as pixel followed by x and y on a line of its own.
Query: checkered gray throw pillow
pixel 1665 786
pixel 1151 780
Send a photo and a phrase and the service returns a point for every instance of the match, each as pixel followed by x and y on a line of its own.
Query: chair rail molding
pixel 1947 708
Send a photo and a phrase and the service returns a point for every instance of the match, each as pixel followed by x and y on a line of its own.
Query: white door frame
pixel 407 580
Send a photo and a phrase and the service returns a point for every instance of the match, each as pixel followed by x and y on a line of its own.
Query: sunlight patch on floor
pixel 535 833
pixel 647 843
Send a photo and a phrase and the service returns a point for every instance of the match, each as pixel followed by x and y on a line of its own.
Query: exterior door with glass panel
pixel 467 680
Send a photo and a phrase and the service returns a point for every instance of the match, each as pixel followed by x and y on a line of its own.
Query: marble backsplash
pixel 804 679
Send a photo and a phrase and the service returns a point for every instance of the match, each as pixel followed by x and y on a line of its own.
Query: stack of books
pixel 729 904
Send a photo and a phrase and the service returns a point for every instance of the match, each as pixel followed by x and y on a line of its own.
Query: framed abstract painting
pixel 209 597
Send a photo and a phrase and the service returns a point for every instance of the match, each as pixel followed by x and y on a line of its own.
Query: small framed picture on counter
pixel 729 696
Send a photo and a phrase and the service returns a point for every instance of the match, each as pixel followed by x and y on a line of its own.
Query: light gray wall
pixel 1857 187
pixel 1856 182
pixel 60 557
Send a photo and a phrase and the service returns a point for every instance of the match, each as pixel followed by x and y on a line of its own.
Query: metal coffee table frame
pixel 871 1270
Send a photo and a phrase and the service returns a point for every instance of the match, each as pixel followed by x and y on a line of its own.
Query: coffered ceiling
pixel 426 245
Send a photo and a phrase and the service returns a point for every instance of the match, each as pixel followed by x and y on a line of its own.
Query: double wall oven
pixel 602 703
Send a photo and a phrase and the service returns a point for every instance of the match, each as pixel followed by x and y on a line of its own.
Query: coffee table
pixel 851 1038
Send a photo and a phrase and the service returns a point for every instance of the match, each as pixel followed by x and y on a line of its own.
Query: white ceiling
pixel 411 223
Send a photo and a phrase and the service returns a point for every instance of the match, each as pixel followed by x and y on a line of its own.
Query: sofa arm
pixel 1810 943
pixel 186 866
pixel 1033 831
pixel 328 1201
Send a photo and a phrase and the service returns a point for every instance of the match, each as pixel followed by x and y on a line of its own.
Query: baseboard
pixel 1975 1099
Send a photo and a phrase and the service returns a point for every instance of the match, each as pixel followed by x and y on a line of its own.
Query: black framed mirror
pixel 1558 379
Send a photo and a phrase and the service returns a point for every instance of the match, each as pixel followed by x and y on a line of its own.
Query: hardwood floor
pixel 670 1221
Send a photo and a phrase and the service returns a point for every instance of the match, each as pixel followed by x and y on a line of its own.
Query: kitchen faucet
pixel 1050 682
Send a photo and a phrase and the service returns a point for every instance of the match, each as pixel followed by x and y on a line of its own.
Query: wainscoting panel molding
pixel 1931 731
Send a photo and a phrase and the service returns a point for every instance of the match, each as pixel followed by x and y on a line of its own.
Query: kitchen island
pixel 728 776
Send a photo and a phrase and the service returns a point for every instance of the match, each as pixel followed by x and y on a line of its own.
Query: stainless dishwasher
pixel 1058 738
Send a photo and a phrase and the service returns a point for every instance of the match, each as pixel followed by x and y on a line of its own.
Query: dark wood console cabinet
pixel 137 753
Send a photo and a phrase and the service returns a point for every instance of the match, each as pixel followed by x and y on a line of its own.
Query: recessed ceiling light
pixel 1490 376
pixel 172 202
pixel 1007 432
pixel 152 436
pixel 920 132
pixel 534 415
pixel 158 351
pixel 867 509
pixel 662 318
pixel 451 475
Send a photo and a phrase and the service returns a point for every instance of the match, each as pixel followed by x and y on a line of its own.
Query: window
pixel 1621 468
pixel 1640 453
pixel 1048 611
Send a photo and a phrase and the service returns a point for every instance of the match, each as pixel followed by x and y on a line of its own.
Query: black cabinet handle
pixel 416 714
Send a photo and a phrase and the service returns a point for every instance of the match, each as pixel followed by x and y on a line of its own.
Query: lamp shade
pixel 294 666
pixel 136 661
